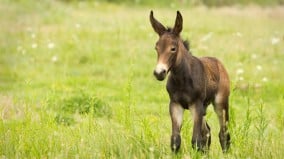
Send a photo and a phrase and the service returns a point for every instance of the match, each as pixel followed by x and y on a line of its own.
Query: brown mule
pixel 193 84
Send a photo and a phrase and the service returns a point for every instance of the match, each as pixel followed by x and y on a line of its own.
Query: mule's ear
pixel 178 24
pixel 157 26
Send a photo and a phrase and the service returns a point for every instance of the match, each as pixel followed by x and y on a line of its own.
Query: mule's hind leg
pixel 176 112
pixel 206 134
pixel 221 107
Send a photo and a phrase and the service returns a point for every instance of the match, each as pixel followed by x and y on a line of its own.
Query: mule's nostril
pixel 160 74
pixel 155 73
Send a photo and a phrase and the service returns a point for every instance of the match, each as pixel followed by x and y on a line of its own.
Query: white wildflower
pixel 241 78
pixel 34 45
pixel 50 45
pixel 77 25
pixel 54 58
pixel 240 71
pixel 151 149
pixel 264 79
pixel 253 56
pixel 257 85
pixel 33 35
pixel 275 40
pixel 238 34
pixel 259 68
pixel 206 37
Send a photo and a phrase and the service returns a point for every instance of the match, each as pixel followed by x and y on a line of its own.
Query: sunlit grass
pixel 60 61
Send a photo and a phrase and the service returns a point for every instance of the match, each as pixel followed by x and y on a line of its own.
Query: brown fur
pixel 193 84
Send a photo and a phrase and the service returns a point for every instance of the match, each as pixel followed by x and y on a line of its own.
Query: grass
pixel 76 80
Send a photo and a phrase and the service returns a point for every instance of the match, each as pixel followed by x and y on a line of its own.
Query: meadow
pixel 76 80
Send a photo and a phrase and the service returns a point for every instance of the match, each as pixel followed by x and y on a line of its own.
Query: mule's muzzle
pixel 160 74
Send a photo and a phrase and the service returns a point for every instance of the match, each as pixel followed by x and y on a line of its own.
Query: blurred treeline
pixel 209 3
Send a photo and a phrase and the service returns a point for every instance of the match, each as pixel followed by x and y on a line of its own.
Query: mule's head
pixel 167 46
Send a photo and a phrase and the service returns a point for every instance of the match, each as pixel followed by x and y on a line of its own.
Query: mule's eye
pixel 173 49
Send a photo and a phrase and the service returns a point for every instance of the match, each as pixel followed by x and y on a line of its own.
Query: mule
pixel 193 83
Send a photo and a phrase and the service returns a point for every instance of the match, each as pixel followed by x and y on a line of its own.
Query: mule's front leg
pixel 201 137
pixel 176 112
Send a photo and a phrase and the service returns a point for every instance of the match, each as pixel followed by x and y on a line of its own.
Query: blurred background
pixel 209 3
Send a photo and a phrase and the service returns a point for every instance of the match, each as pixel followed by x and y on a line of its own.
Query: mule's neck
pixel 183 62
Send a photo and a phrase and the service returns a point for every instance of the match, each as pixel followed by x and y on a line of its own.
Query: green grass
pixel 76 80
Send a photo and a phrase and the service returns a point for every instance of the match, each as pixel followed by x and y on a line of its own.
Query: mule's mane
pixel 185 42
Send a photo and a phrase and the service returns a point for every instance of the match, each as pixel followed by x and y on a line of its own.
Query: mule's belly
pixel 183 99
pixel 188 96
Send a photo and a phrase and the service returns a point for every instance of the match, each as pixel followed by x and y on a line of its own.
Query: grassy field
pixel 76 80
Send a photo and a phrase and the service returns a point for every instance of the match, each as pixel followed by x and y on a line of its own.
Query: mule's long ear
pixel 157 26
pixel 178 24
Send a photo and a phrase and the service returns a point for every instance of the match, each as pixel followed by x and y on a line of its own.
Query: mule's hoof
pixel 225 141
pixel 175 148
pixel 175 142
pixel 202 146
